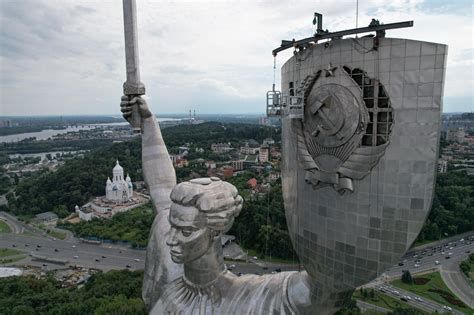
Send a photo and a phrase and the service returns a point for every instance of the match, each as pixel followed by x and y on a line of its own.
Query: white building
pixel 119 189
pixel 442 166
pixel 263 154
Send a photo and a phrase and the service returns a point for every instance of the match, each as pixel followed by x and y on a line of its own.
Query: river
pixel 48 133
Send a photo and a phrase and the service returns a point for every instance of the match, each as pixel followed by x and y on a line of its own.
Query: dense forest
pixel 452 211
pixel 261 224
pixel 29 146
pixel 74 183
pixel 114 292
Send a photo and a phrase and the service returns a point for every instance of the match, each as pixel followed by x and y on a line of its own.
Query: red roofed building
pixel 252 182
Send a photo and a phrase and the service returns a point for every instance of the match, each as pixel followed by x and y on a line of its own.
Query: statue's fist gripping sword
pixel 132 87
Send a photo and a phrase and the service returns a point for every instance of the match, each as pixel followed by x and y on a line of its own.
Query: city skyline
pixel 66 59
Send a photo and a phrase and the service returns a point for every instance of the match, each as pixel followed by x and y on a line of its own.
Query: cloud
pixel 67 57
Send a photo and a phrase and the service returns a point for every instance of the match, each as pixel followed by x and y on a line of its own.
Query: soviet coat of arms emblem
pixel 337 141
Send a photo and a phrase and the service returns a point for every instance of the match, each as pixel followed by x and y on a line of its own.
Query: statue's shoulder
pixel 255 294
pixel 230 294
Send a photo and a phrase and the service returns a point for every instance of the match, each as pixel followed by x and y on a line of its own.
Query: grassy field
pixel 9 260
pixel 434 289
pixel 4 252
pixel 8 255
pixel 56 234
pixel 4 228
pixel 384 301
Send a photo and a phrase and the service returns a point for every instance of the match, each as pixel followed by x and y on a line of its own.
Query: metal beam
pixel 289 44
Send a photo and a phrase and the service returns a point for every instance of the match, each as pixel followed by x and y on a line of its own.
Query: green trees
pixel 452 211
pixel 132 226
pixel 253 230
pixel 76 182
pixel 406 277
pixel 114 292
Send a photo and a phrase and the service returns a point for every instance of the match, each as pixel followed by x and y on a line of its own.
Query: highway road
pixel 422 260
pixel 414 300
pixel 76 252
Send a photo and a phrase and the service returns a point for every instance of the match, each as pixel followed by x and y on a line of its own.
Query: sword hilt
pixel 133 90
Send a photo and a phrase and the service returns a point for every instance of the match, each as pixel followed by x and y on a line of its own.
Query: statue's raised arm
pixel 158 169
pixel 160 178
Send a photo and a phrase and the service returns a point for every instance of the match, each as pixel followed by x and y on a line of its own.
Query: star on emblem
pixel 330 70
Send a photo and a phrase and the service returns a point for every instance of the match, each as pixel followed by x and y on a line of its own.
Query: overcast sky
pixel 67 57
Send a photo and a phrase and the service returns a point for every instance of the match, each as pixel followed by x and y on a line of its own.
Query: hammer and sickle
pixel 328 125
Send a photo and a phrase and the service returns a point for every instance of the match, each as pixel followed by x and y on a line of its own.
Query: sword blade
pixel 132 86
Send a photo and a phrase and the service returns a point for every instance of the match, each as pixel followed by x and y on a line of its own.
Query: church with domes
pixel 119 197
pixel 119 189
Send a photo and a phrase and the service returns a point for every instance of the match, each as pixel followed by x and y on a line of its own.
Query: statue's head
pixel 201 211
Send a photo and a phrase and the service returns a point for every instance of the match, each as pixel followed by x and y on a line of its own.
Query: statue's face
pixel 189 237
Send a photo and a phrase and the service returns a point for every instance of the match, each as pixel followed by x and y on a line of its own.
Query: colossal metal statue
pixel 358 176
pixel 185 270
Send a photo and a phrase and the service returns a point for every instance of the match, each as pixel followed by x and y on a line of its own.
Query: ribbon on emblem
pixel 319 179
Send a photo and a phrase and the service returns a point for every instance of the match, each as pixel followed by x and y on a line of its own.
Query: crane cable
pixel 274 72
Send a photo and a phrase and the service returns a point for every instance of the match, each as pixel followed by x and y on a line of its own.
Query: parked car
pixel 76 257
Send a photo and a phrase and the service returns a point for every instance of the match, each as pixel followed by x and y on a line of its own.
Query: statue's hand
pixel 126 107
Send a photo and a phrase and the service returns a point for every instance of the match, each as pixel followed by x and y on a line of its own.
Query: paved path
pixel 367 306
pixel 453 278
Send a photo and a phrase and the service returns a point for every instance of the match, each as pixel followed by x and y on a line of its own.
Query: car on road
pixel 447 308
pixel 468 251
pixel 128 266
pixel 73 246
pixel 97 259
pixel 103 256
pixel 278 270
pixel 404 299
pixel 137 260
pixel 39 246
pixel 401 264
pixel 56 250
pixel 44 265
pixel 26 245
pixel 447 257
pixel 255 257
pixel 416 265
pixel 436 262
pixel 450 254
pixel 76 257
pixel 13 245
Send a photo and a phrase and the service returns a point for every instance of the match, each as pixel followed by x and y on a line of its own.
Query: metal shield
pixel 359 167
